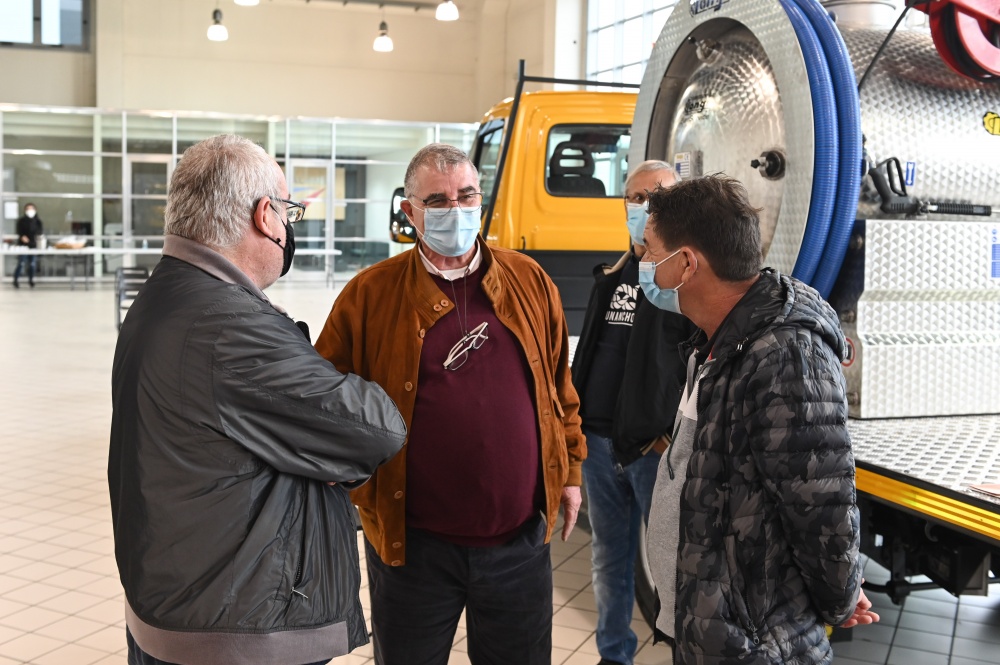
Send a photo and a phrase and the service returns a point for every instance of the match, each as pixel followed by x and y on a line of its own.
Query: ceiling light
pixel 247 3
pixel 217 32
pixel 383 43
pixel 446 11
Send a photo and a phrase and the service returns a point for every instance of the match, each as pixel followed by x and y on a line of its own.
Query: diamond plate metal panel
pixel 953 453
pixel 914 108
pixel 923 349
pixel 748 92
pixel 945 257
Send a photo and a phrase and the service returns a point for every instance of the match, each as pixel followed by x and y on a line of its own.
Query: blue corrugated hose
pixel 848 174
pixel 825 137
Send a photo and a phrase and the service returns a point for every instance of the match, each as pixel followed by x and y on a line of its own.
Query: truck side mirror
pixel 400 229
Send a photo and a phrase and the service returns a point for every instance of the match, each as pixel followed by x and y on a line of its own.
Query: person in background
pixel 471 343
pixel 628 371
pixel 233 443
pixel 754 536
pixel 29 227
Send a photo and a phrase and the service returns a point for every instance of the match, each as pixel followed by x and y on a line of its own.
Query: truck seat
pixel 571 171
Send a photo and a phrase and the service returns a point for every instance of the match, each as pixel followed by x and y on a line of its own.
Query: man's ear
pixel 260 216
pixel 407 209
pixel 692 263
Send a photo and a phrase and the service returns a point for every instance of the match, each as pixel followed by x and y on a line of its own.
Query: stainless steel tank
pixel 919 296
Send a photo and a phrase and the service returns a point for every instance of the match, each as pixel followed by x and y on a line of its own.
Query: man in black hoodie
pixel 628 371
pixel 29 227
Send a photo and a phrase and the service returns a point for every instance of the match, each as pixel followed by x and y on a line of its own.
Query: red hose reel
pixel 967 35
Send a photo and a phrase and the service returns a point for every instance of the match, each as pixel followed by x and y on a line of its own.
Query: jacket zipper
pixel 298 578
pixel 298 569
pixel 754 637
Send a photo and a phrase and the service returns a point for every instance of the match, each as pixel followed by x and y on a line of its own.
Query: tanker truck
pixel 874 153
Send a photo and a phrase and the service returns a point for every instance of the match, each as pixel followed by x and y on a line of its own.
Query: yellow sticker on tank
pixel 991 121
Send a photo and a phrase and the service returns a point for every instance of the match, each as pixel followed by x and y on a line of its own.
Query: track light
pixel 383 42
pixel 446 11
pixel 247 3
pixel 217 32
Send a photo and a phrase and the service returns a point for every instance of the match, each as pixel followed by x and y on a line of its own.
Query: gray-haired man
pixel 229 431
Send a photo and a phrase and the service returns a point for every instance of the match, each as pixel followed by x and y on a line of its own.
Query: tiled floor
pixel 60 601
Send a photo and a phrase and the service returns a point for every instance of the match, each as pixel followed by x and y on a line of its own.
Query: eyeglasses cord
pixel 464 329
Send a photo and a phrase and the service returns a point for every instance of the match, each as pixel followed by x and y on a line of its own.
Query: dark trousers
pixel 506 592
pixel 137 656
pixel 32 261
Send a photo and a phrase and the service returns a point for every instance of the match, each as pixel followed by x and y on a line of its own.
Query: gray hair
pixel 646 167
pixel 215 187
pixel 441 156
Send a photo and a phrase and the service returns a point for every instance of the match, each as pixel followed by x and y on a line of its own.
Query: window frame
pixel 86 24
pixel 597 70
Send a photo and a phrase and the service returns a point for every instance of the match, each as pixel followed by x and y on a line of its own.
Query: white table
pixel 86 256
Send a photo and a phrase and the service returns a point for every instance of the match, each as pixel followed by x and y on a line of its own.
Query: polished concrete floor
pixel 60 600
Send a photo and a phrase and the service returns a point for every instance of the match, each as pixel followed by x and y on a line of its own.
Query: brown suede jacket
pixel 376 330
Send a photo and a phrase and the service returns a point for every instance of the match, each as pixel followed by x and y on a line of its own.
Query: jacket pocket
pixel 739 593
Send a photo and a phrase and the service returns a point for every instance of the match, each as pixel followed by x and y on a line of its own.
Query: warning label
pixel 991 121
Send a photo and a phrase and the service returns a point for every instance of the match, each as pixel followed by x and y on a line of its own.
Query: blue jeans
pixel 617 498
pixel 32 261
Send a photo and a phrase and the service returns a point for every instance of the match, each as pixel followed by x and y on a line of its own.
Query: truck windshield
pixel 587 160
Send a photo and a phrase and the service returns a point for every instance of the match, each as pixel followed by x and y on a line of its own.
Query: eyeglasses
pixel 294 212
pixel 470 340
pixel 639 197
pixel 469 201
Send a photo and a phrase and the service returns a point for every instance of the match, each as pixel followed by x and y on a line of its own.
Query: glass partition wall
pixel 100 178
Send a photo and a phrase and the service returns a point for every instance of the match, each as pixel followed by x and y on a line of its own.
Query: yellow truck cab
pixel 560 194
pixel 561 186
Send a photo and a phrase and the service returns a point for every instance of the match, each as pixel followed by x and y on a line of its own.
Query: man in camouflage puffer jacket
pixel 754 535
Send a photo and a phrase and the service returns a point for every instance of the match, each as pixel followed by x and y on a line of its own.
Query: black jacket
pixel 30 228
pixel 654 366
pixel 227 427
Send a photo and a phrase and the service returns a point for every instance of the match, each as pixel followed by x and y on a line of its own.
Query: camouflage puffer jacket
pixel 769 534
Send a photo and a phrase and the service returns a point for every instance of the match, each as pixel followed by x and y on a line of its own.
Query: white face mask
pixel 636 217
pixel 30 214
pixel 451 231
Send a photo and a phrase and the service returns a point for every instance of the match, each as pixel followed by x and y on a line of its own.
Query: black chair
pixel 127 283
pixel 571 171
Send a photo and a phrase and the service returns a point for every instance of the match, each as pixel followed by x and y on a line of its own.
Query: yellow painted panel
pixel 935 506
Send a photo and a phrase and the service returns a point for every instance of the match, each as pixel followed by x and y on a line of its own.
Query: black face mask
pixel 288 248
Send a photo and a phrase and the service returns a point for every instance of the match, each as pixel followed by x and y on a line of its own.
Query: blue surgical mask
pixel 666 299
pixel 636 220
pixel 451 231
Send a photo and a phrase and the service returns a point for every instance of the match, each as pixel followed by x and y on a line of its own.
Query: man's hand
pixel 862 613
pixel 571 500
pixel 25 239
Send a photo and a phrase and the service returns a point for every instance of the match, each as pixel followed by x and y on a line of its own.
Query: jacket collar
pixel 207 259
pixel 759 307
pixel 455 273
pixel 776 300
pixel 425 292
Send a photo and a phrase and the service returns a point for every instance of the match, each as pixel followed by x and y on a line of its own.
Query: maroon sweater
pixel 473 474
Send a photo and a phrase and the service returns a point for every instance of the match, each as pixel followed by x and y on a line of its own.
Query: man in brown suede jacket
pixel 471 344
